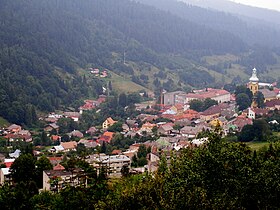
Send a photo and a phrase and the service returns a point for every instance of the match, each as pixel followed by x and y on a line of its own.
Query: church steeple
pixel 254 77
pixel 254 86
pixel 254 82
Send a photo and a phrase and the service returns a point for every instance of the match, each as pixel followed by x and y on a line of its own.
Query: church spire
pixel 254 77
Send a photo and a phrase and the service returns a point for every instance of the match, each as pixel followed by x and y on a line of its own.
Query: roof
pixel 268 93
pixel 58 167
pixel 116 152
pixel 15 154
pixel 166 127
pixel 5 171
pixel 58 148
pixel 77 133
pixel 110 120
pixel 55 137
pixel 69 145
pixel 55 158
pixel 216 109
pixel 209 93
pixel 241 121
pixel 14 126
pixel 273 103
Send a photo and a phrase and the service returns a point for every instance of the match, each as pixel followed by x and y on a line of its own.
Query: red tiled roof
pixel 215 109
pixel 273 103
pixel 55 158
pixel 58 167
pixel 8 164
pixel 210 93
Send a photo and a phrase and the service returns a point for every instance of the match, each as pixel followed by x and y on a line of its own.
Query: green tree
pixel 260 99
pixel 116 127
pixel 262 130
pixel 208 102
pixel 243 101
pixel 247 133
pixel 23 169
pixel 122 100
pixel 41 165
pixel 196 105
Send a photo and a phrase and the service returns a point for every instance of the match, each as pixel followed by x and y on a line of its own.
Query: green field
pixel 257 145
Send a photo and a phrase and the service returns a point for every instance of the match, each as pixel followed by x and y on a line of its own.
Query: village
pixel 138 142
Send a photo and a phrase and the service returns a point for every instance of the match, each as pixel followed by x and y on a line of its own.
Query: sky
pixel 270 4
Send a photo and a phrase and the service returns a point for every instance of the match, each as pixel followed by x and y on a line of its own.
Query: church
pixel 268 90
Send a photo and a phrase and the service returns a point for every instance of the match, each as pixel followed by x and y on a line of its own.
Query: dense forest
pixel 43 43
pixel 250 30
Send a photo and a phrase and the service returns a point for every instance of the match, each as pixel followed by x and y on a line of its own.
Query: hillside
pixel 249 29
pixel 44 43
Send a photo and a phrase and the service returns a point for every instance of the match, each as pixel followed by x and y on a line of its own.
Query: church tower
pixel 254 86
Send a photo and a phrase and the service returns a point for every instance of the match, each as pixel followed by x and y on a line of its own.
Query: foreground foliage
pixel 219 175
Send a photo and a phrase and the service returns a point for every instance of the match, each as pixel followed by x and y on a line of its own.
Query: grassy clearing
pixel 216 59
pixel 121 84
pixel 257 145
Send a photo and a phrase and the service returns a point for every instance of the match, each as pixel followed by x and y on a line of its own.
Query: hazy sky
pixel 271 4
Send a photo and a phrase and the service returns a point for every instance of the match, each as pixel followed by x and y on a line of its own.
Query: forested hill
pixel 251 30
pixel 43 42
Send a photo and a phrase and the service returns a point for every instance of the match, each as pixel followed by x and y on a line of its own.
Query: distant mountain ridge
pixel 250 30
pixel 268 15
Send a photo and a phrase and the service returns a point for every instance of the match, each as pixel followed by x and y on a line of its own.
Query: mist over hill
pixel 43 43
pixel 254 30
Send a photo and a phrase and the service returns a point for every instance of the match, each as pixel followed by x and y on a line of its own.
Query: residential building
pixel 108 122
pixel 56 180
pixel 113 163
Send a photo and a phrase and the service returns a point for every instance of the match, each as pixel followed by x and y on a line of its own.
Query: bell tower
pixel 254 86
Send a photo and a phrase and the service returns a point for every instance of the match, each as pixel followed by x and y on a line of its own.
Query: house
pixel 106 137
pixel 56 138
pixel 178 109
pixel 253 112
pixel 268 94
pixel 213 111
pixel 91 131
pixel 191 132
pixel 73 115
pixel 89 105
pixel 68 146
pixel 89 143
pixel 241 121
pixel 273 104
pixel 14 128
pixel 165 129
pixel 8 162
pixel 147 127
pixel 51 127
pixel 77 134
pixel 125 127
pixel 55 160
pixel 108 122
pixel 57 149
